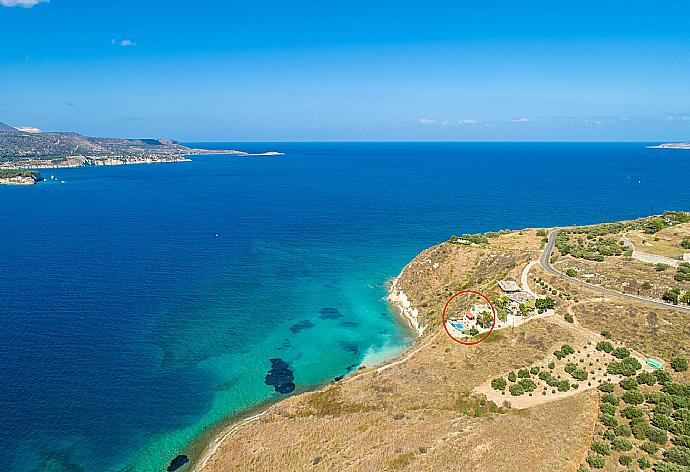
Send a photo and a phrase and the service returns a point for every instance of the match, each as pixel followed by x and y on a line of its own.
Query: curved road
pixel 545 262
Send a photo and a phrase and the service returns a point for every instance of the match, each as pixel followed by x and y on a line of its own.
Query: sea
pixel 142 307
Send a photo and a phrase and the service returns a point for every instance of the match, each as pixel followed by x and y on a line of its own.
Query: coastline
pixel 398 303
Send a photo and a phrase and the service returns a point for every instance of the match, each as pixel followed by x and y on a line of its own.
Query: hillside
pixel 526 399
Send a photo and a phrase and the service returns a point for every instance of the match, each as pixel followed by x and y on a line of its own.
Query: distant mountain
pixel 7 129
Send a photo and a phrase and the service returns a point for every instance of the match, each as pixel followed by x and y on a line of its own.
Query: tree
pixel 596 461
pixel 631 412
pixel 609 420
pixel 498 383
pixel 629 383
pixel 543 304
pixel 512 377
pixel 604 346
pixel 650 448
pixel 523 373
pixel 571 272
pixel 516 390
pixel 600 448
pixel 621 353
pixel 621 444
pixel 633 397
pixel 685 244
pixel 485 319
pixel 657 435
pixel 670 296
pixel 679 364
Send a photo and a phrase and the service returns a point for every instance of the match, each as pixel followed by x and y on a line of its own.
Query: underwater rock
pixel 177 462
pixel 280 376
pixel 329 313
pixel 349 324
pixel 304 324
pixel 349 346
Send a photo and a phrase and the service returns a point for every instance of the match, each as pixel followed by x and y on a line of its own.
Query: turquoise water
pixel 143 304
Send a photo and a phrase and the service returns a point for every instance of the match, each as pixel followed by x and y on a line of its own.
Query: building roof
pixel 509 286
pixel 520 297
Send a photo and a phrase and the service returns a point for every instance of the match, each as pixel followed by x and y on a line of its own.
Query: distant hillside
pixel 7 129
pixel 15 145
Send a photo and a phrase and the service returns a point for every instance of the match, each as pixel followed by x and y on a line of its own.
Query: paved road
pixel 545 262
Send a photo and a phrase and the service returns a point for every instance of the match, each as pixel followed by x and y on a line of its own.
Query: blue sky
pixel 489 70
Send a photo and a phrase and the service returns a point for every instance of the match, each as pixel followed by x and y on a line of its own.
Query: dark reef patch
pixel 280 376
pixel 349 324
pixel 349 347
pixel 304 324
pixel 329 313
pixel 350 367
pixel 177 462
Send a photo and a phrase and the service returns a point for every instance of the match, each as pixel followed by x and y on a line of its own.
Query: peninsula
pixel 29 148
pixel 671 146
pixel 597 378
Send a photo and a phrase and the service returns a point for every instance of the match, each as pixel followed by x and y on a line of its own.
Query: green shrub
pixel 609 435
pixel 657 435
pixel 621 444
pixel 662 376
pixel 596 461
pixel 650 448
pixel 629 384
pixel 604 346
pixel 663 409
pixel 534 370
pixel 516 390
pixel 681 440
pixel 607 387
pixel 623 430
pixel 498 383
pixel 646 378
pixel 606 334
pixel 607 409
pixel 644 463
pixel 527 385
pixel 633 397
pixel 625 460
pixel 621 352
pixel 512 377
pixel 571 272
pixel 599 447
pixel 552 365
pixel 609 420
pixel 563 386
pixel 678 455
pixel 679 364
pixel 610 398
pixel 631 412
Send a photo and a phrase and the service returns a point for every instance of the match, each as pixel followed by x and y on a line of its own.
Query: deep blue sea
pixel 141 305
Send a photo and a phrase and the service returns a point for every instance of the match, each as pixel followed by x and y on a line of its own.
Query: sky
pixel 461 70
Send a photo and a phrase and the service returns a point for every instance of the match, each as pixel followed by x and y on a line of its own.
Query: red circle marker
pixel 443 317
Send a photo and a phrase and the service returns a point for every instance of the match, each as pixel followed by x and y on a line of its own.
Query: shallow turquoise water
pixel 142 304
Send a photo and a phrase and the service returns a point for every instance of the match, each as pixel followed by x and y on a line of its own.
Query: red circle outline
pixel 443 317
